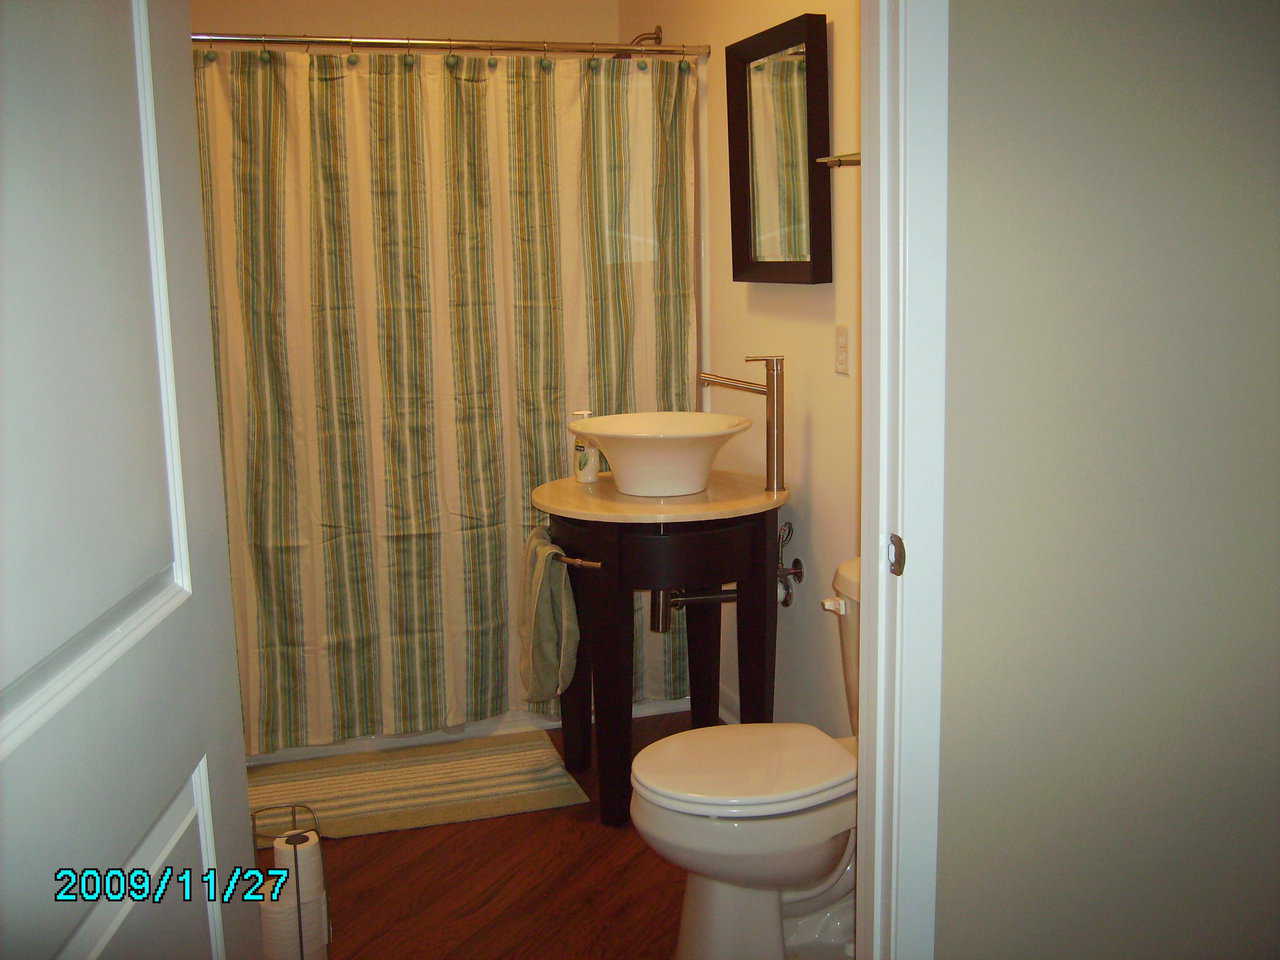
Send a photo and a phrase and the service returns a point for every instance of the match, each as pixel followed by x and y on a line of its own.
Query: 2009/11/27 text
pixel 116 884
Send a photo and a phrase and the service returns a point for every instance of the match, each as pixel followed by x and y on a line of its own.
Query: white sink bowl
pixel 660 454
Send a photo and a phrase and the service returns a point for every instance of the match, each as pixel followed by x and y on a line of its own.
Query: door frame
pixel 904 94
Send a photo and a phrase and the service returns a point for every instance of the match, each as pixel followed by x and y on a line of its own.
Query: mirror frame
pixel 811 30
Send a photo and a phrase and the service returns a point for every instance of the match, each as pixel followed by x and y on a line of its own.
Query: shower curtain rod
pixel 532 46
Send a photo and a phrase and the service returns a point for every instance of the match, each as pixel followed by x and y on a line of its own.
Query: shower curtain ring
pixel 265 55
pixel 408 57
pixel 352 59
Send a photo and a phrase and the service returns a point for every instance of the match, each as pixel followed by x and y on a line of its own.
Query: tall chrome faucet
pixel 771 389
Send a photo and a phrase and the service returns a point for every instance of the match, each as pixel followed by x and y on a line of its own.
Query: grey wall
pixel 1111 700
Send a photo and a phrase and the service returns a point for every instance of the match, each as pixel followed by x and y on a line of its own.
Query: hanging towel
pixel 548 620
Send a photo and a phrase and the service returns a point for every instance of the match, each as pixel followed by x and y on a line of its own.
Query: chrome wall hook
pixel 786 574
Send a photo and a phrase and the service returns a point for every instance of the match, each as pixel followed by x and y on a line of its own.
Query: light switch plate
pixel 842 348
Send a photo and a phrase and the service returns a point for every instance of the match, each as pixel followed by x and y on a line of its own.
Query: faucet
pixel 771 389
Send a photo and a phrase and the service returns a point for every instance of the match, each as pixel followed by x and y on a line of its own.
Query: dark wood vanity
pixel 639 546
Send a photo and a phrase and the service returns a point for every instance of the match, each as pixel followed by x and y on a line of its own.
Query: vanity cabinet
pixel 642 543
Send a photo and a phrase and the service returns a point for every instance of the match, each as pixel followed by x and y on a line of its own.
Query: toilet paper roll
pixel 280 930
pixel 306 871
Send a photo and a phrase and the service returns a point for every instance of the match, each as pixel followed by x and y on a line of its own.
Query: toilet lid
pixel 745 770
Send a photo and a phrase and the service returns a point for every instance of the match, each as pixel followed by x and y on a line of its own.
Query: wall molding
pixel 30 702
pixel 34 698
pixel 149 137
pixel 203 803
pixel 190 805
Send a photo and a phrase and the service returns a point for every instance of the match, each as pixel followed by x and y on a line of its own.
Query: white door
pixel 120 739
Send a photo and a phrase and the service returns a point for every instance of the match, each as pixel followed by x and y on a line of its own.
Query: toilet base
pixel 723 922
pixel 821 951
pixel 825 934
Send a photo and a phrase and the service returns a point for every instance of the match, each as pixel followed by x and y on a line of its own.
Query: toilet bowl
pixel 762 816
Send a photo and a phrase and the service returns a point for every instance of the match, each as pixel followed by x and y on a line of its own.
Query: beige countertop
pixel 727 495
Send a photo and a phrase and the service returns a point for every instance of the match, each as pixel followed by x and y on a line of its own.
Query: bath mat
pixel 373 792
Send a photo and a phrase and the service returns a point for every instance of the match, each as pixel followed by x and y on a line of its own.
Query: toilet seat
pixel 745 770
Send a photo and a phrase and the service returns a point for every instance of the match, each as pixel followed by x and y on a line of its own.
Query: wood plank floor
pixel 548 885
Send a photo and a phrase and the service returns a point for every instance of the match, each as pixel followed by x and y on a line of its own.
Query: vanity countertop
pixel 727 495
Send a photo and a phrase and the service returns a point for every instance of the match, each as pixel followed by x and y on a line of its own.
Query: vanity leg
pixel 575 713
pixel 758 623
pixel 702 624
pixel 611 673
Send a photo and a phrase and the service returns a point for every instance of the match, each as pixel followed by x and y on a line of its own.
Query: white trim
pixel 112 635
pixel 904 150
pixel 160 292
pixel 701 396
pixel 94 933
pixel 208 852
pixel 106 641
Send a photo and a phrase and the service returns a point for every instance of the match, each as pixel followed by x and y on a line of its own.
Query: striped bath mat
pixel 417 786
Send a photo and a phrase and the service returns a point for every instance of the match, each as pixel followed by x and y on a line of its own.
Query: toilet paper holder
pixel 303 872
pixel 293 809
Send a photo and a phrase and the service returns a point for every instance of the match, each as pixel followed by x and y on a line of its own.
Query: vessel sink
pixel 660 454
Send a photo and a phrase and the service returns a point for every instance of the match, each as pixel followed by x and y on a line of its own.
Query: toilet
pixel 762 815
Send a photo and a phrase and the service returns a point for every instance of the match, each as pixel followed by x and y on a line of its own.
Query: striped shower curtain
pixel 418 266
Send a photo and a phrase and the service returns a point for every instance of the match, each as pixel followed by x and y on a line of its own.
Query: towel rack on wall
pixel 576 562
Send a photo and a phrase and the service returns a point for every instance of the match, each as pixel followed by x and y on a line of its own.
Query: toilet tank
pixel 847 582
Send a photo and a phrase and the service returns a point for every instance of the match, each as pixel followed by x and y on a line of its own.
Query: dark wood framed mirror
pixel 779 195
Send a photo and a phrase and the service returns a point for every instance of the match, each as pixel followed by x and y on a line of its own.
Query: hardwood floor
pixel 548 885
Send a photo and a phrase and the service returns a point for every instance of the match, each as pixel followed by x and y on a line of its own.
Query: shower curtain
pixel 418 266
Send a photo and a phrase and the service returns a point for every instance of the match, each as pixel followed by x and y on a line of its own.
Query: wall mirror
pixel 780 196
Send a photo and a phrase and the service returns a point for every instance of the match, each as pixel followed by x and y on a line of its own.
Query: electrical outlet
pixel 842 348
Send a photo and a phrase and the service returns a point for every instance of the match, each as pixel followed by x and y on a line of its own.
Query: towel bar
pixel 575 562
pixel 842 160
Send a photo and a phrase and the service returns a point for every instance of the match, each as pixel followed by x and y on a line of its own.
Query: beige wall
pixel 798 322
pixel 1111 702
pixel 483 20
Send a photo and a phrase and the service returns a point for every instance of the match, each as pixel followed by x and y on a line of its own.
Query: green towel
pixel 548 621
